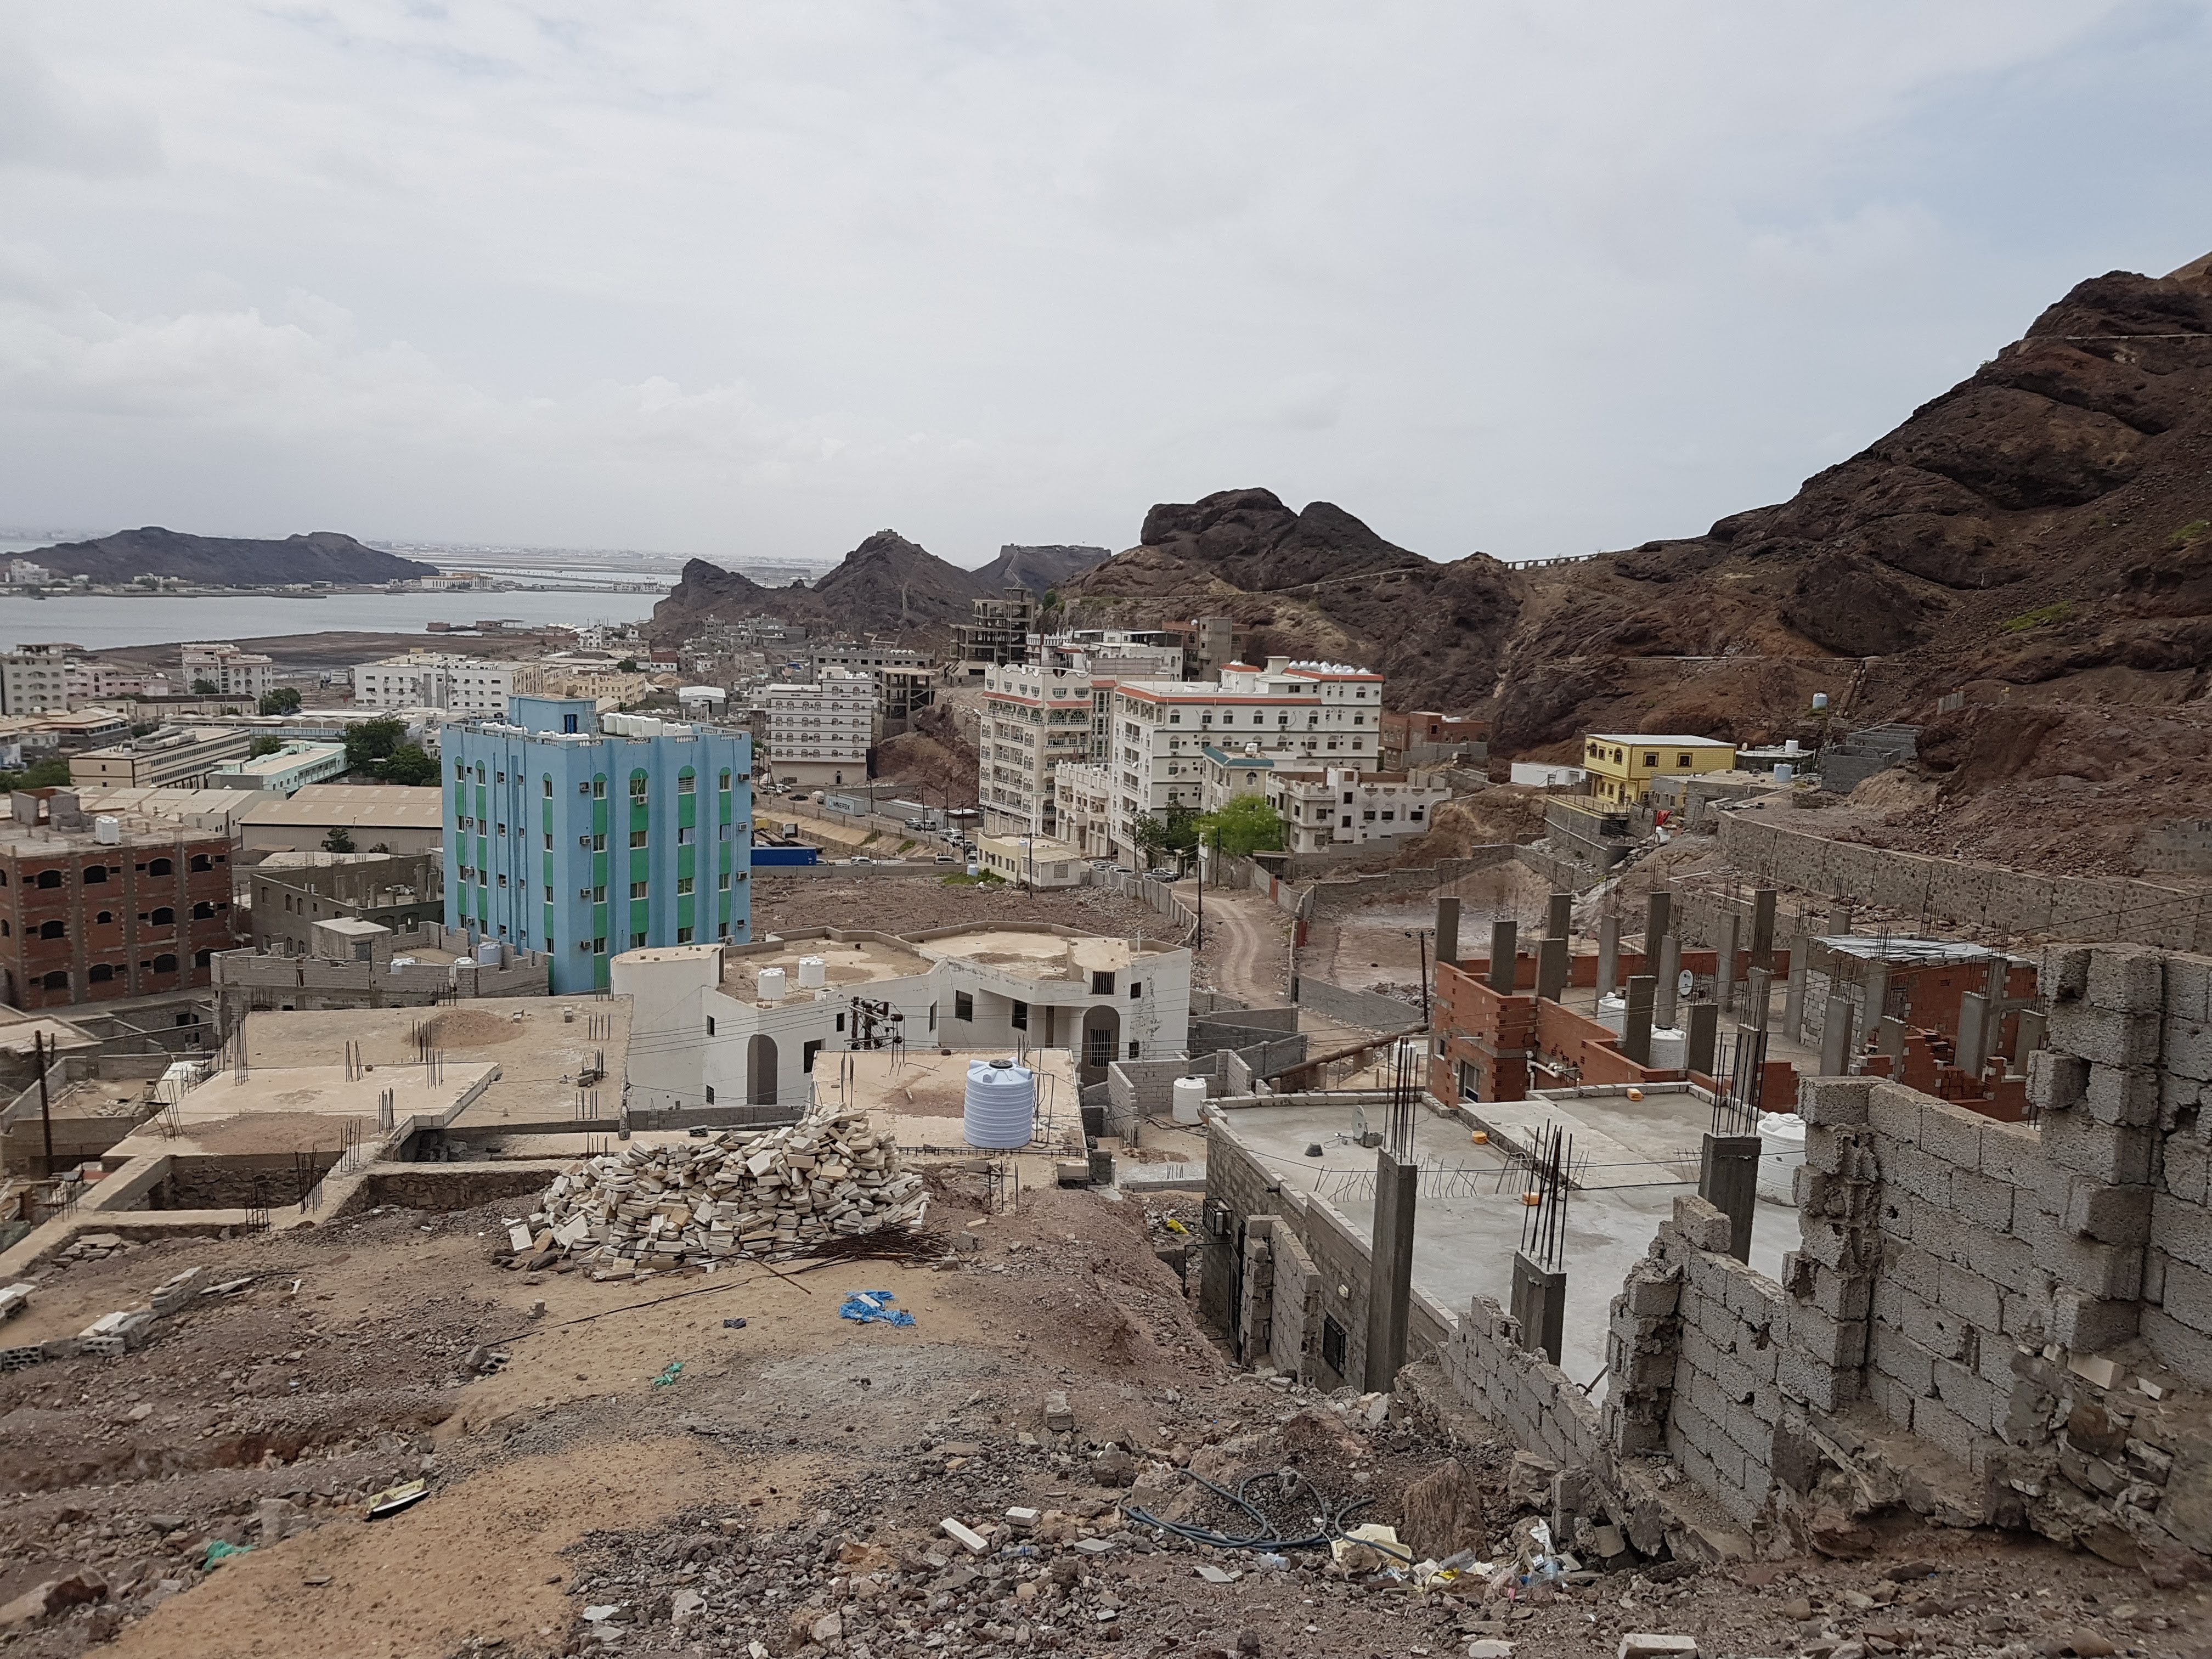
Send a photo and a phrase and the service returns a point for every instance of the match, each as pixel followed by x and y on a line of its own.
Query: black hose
pixel 1332 1523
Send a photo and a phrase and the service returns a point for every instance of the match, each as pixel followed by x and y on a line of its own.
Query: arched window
pixel 637 786
pixel 203 958
pixel 94 873
pixel 56 981
pixel 687 781
pixel 163 917
pixel 165 964
pixel 99 973
pixel 53 930
pixel 549 786
pixel 726 780
pixel 50 877
pixel 202 910
pixel 5 930
pixel 202 861
pixel 105 916
pixel 161 867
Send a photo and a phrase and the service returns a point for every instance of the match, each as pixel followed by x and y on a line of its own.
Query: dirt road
pixel 1245 952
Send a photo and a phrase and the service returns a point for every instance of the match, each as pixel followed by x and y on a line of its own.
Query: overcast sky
pixel 759 279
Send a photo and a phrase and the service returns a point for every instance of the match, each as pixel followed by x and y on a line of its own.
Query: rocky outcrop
pixel 322 555
pixel 1041 570
pixel 886 586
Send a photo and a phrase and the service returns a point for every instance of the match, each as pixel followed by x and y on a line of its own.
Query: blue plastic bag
pixel 872 1307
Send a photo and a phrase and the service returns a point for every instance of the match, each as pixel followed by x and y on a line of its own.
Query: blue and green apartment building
pixel 584 836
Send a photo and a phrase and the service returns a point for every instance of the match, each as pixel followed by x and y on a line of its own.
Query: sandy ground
pixel 901 904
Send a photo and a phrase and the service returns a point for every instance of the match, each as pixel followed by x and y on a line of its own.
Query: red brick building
pixel 84 919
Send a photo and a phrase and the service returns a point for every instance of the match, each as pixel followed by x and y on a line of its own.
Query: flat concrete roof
pixel 845 963
pixel 276 1109
pixel 1466 1225
pixel 398 805
pixel 1034 954
pixel 539 1054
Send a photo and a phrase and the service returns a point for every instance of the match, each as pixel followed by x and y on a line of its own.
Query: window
pixel 56 981
pixel 1681 760
pixel 1331 1344
pixel 1651 760
pixel 1101 984
pixel 637 786
pixel 1136 989
pixel 105 916
pixel 637 890
pixel 1135 1048
pixel 686 835
pixel 165 964
pixel 200 861
pixel 710 1026
pixel 637 838
pixel 92 873
pixel 1098 1048
pixel 598 788
pixel 637 941
pixel 685 783
pixel 932 1015
pixel 726 781
pixel 841 1022
pixel 1019 1017
pixel 598 895
pixel 683 884
pixel 598 947
pixel 710 1094
pixel 99 973
pixel 549 786
pixel 549 893
pixel 599 843
pixel 806 1055
pixel 163 916
pixel 53 930
pixel 50 877
pixel 723 883
pixel 202 910
pixel 963 1004
pixel 683 936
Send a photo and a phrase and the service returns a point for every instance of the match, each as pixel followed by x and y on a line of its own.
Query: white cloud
pixel 1513 275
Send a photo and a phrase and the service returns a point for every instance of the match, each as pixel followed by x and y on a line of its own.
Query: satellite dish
pixel 1685 982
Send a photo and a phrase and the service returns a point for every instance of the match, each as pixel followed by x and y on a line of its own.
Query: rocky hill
pixel 2044 529
pixel 886 586
pixel 322 555
pixel 1040 569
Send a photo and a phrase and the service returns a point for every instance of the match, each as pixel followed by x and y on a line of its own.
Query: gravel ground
pixel 901 904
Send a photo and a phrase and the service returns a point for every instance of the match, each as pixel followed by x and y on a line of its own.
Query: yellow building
pixel 1622 764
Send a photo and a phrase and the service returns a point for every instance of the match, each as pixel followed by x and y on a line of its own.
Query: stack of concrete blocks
pixel 178 1289
pixel 1518 1389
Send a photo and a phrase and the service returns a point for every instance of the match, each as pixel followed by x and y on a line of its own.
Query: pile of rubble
pixel 742 1193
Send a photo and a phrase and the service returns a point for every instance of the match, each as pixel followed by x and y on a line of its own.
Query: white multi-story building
pixel 432 679
pixel 1345 807
pixel 35 679
pixel 24 572
pixel 821 733
pixel 1320 714
pixel 1083 799
pixel 1035 718
pixel 233 672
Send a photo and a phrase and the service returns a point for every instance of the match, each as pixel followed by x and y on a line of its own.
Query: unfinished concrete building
pixel 1987 1322
pixel 352 962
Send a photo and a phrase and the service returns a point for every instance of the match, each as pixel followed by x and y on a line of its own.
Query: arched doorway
pixel 759 1069
pixel 1102 1042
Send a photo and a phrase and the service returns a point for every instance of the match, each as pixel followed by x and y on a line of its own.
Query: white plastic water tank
pixel 1784 771
pixel 1613 1012
pixel 1190 1094
pixel 1781 1149
pixel 1000 1109
pixel 1669 1045
pixel 107 831
pixel 813 975
pixel 1820 700
pixel 487 952
pixel 771 984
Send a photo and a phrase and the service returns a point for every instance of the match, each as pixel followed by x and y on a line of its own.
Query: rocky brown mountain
pixel 2044 529
pixel 228 562
pixel 886 586
pixel 1040 569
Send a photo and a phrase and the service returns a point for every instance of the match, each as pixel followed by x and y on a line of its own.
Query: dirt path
pixel 1245 952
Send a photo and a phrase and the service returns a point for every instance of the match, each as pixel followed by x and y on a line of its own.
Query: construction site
pixel 1588 1251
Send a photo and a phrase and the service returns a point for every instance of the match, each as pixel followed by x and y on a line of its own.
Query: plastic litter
pixel 219 1552
pixel 393 1499
pixel 873 1307
pixel 675 1370
pixel 733 1324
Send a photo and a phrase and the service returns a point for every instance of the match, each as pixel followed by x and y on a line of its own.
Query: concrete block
pixel 1965 1292
pixel 2128 978
pixel 1824 1388
pixel 2012 1153
pixel 1913 1268
pixel 1982 1200
pixel 2186 1296
pixel 1841 1295
pixel 2127 1096
pixel 1652 1292
pixel 2057 1082
pixel 2116 1215
pixel 1893 1111
pixel 1834 1103
pixel 2104 1036
pixel 1951 1133
pixel 2186 1172
pixel 1941 1331
pixel 1901 1359
pixel 2120 1157
pixel 1890 1398
pixel 1823 1242
pixel 1923 1175
pixel 2110 1273
pixel 2065 972
pixel 2186 1351
pixel 1827 1150
pixel 1701 1225
pixel 1832 1342
pixel 1944 1429
pixel 1958 1388
pixel 2088 1324
pixel 2184 1231
pixel 2009 1261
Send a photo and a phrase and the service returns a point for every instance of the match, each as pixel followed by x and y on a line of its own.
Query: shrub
pixel 2041 617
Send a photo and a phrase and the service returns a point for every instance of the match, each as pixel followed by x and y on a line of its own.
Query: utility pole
pixel 45 1107
pixel 1421 935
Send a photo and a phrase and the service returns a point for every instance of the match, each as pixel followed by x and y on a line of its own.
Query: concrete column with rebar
pixel 1728 1179
pixel 1793 997
pixel 1448 929
pixel 1669 976
pixel 1758 998
pixel 1609 955
pixel 1762 927
pixel 1658 921
pixel 1552 968
pixel 1502 961
pixel 1701 1024
pixel 1836 1038
pixel 1558 915
pixel 1724 962
pixel 1390 1268
pixel 1974 1024
pixel 1636 1028
pixel 1540 1304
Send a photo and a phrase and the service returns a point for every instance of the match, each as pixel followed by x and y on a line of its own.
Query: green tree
pixel 627 665
pixel 282 700
pixel 51 773
pixel 340 840
pixel 409 765
pixel 263 746
pixel 203 688
pixel 372 741
pixel 1245 826
pixel 1171 832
